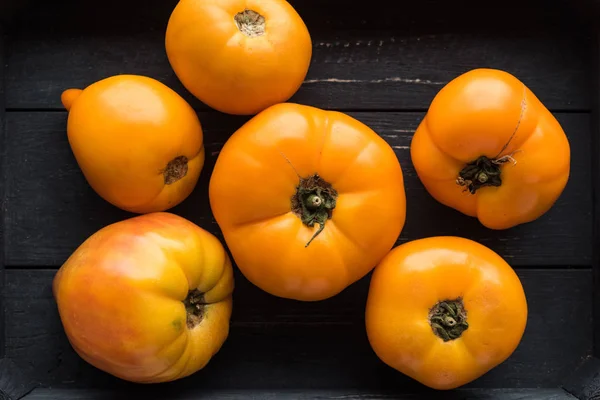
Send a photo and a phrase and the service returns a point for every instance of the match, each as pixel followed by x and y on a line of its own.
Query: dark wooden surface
pixel 382 66
pixel 2 185
pixel 584 383
pixel 595 118
pixel 473 394
pixel 14 384
pixel 378 70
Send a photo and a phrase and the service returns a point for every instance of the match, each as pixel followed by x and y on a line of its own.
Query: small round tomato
pixel 444 310
pixel 489 148
pixel 238 56
pixel 138 143
pixel 147 299
pixel 309 201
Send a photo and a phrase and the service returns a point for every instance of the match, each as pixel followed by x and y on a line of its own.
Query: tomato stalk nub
pixel 194 307
pixel 482 172
pixel 250 23
pixel 176 169
pixel 448 319
pixel 314 202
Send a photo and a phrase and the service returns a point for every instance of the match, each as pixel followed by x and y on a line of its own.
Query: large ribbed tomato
pixel 147 299
pixel 489 148
pixel 138 143
pixel 445 310
pixel 308 200
pixel 238 56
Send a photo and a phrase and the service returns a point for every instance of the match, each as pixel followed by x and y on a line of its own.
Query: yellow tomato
pixel 309 201
pixel 238 56
pixel 138 143
pixel 445 310
pixel 147 299
pixel 490 149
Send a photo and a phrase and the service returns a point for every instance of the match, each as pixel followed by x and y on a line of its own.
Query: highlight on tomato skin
pixel 444 311
pixel 308 200
pixel 147 299
pixel 490 149
pixel 238 57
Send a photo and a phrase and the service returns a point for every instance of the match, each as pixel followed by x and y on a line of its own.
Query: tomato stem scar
pixel 250 23
pixel 314 202
pixel 194 307
pixel 448 319
pixel 176 169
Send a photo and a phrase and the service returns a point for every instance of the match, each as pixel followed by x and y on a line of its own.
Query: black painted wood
pixel 596 190
pixel 40 162
pixel 280 344
pixel 367 57
pixel 584 383
pixel 426 15
pixel 14 383
pixel 463 394
pixel 2 180
pixel 359 70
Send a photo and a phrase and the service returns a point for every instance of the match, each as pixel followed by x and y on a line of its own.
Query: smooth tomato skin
pixel 230 71
pixel 413 278
pixel 124 130
pixel 256 176
pixel 477 114
pixel 120 296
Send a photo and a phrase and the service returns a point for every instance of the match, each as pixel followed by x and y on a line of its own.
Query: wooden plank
pixel 584 383
pixel 331 14
pixel 46 192
pixel 596 189
pixel 10 10
pixel 13 383
pixel 462 394
pixel 2 184
pixel 281 344
pixel 358 70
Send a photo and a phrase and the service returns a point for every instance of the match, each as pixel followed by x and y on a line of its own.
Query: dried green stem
pixel 314 202
pixel 448 319
pixel 481 172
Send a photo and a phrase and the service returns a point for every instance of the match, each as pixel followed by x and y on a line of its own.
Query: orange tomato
pixel 308 200
pixel 138 143
pixel 147 299
pixel 489 148
pixel 444 310
pixel 238 56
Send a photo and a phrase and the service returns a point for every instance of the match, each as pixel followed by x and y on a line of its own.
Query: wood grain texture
pixel 596 189
pixel 430 15
pixel 46 193
pixel 584 383
pixel 2 181
pixel 461 394
pixel 14 384
pixel 280 344
pixel 364 70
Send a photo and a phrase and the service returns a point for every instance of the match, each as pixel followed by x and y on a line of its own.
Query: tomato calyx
pixel 448 319
pixel 482 172
pixel 314 202
pixel 194 307
pixel 176 169
pixel 250 23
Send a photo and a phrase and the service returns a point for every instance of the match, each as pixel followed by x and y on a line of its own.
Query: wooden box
pixel 381 62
